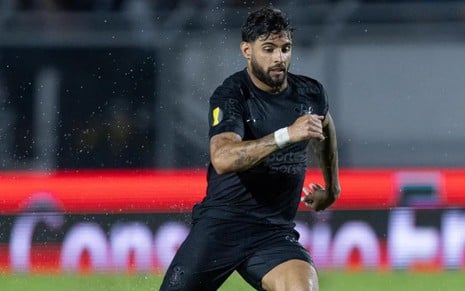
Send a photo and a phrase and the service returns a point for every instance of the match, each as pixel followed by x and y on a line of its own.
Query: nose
pixel 278 56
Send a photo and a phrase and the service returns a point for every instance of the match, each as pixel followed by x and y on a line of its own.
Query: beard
pixel 266 77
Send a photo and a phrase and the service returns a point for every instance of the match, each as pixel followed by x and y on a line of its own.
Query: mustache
pixel 278 67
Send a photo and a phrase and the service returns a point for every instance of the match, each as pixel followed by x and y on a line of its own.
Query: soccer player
pixel 262 120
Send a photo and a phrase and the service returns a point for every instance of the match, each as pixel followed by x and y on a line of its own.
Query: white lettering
pixel 131 237
pixel 85 237
pixel 453 238
pixel 318 241
pixel 21 236
pixel 356 235
pixel 167 241
pixel 133 245
pixel 408 244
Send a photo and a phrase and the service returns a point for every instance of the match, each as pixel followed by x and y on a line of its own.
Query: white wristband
pixel 281 137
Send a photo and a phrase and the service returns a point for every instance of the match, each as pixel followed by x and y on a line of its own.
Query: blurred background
pixel 126 83
pixel 123 86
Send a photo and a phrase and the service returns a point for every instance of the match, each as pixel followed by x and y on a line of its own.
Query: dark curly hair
pixel 263 22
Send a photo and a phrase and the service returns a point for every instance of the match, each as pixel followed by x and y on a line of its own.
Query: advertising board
pixel 135 220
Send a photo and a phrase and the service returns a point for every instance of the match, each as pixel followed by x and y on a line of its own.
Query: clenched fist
pixel 317 198
pixel 306 127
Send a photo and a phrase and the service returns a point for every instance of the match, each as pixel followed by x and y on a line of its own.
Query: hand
pixel 306 127
pixel 317 198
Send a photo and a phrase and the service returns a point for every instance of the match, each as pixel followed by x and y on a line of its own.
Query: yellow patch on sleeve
pixel 216 116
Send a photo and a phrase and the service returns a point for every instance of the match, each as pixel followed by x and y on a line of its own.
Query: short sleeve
pixel 323 101
pixel 226 113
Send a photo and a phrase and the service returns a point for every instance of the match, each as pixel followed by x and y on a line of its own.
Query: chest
pixel 265 114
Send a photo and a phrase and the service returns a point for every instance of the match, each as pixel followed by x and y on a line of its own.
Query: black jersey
pixel 269 192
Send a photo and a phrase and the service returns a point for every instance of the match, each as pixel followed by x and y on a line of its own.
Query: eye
pixel 286 49
pixel 268 49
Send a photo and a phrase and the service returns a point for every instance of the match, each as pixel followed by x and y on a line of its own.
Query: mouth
pixel 278 68
pixel 277 72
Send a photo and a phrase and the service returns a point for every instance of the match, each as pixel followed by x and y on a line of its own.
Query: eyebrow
pixel 275 45
pixel 268 41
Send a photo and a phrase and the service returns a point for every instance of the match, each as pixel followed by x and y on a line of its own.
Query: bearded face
pixel 273 77
pixel 269 59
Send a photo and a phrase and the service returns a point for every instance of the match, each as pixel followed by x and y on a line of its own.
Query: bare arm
pixel 229 153
pixel 327 156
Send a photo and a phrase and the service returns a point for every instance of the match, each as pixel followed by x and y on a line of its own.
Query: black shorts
pixel 215 248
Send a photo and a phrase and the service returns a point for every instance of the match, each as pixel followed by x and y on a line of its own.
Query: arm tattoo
pixel 237 155
pixel 245 157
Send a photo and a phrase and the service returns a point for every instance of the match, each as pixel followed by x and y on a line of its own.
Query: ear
pixel 246 50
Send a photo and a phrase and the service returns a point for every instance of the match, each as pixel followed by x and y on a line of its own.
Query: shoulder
pixel 305 83
pixel 233 83
pixel 230 94
pixel 311 90
pixel 235 80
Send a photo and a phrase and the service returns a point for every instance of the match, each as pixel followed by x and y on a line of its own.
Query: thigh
pixel 271 251
pixel 295 275
pixel 204 260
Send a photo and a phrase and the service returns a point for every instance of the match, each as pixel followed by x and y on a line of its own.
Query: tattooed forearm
pixel 250 154
pixel 243 158
pixel 229 153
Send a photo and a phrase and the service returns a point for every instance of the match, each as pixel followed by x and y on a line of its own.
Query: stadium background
pixel 103 130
